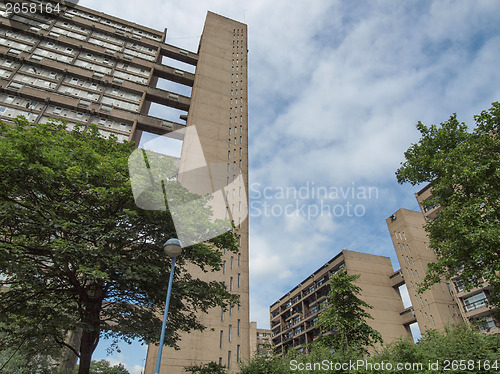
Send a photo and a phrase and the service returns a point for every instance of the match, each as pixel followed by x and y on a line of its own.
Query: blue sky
pixel 335 91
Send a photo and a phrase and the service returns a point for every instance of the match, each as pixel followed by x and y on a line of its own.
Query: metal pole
pixel 167 302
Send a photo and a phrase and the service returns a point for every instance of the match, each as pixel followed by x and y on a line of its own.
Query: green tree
pixel 265 365
pixel 104 367
pixel 77 254
pixel 343 322
pixel 210 368
pixel 464 170
pixel 461 345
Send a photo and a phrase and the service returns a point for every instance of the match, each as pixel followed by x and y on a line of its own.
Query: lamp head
pixel 173 247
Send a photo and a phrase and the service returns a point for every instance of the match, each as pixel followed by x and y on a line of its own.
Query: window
pixel 476 301
pixel 238 328
pixel 228 360
pixel 239 280
pixel 238 353
pixel 486 324
pixel 220 338
pixel 224 267
pixel 229 333
pixel 239 256
pixel 231 262
pixel 230 283
pixel 222 314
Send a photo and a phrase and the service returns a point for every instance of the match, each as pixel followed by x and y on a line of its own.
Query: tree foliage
pixel 210 368
pixel 343 322
pixel 104 367
pixel 464 170
pixel 77 253
pixel 448 351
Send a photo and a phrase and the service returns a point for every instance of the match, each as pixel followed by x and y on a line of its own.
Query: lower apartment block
pixel 294 316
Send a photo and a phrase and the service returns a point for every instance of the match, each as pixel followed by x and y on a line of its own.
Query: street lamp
pixel 172 248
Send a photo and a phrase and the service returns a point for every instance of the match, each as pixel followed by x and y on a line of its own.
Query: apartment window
pixel 238 353
pixel 230 283
pixel 224 267
pixel 241 140
pixel 487 324
pixel 230 309
pixel 228 154
pixel 239 255
pixel 476 301
pixel 220 361
pixel 231 262
pixel 459 284
pixel 229 333
pixel 239 302
pixel 239 280
pixel 241 152
pixel 222 314
pixel 228 360
pixel 220 338
pixel 238 328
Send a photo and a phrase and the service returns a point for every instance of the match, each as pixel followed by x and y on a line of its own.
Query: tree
pixel 210 368
pixel 104 367
pixel 77 254
pixel 343 322
pixel 464 171
pixel 457 349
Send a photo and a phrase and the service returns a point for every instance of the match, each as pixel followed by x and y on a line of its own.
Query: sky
pixel 335 91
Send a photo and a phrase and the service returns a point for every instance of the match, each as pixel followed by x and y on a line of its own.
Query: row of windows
pixel 81 93
pixel 111 43
pixel 236 130
pixel 116 25
pixel 234 166
pixel 234 153
pixel 231 263
pixel 235 141
pixel 402 247
pixel 235 109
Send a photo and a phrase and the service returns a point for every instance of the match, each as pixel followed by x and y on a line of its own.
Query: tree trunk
pixel 87 347
pixel 91 330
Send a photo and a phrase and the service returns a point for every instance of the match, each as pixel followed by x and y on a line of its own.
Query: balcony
pixel 408 316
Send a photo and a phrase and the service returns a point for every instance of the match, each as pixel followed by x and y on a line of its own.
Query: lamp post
pixel 172 248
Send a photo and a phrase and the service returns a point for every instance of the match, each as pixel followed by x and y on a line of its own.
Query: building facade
pixel 260 341
pixel 87 67
pixel 294 316
pixel 445 302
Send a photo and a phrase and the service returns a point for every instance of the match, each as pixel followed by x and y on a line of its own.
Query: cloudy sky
pixel 335 91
